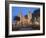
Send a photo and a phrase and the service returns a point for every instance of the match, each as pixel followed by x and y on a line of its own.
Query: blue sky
pixel 24 10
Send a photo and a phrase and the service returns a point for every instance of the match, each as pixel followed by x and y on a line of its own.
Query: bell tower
pixel 29 17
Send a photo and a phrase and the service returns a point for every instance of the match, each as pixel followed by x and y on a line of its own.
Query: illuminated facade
pixel 25 20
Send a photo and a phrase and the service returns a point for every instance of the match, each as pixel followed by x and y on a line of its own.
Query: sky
pixel 23 10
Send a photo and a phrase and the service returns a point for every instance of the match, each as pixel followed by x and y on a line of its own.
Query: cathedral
pixel 25 20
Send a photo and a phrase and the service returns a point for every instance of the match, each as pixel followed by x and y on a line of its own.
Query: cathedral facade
pixel 25 20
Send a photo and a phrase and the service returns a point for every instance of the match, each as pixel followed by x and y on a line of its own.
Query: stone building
pixel 24 20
